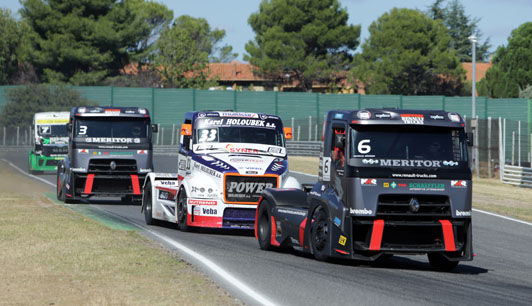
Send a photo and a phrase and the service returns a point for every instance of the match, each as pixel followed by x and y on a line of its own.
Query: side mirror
pixel 186 129
pixel 470 140
pixel 155 128
pixel 288 132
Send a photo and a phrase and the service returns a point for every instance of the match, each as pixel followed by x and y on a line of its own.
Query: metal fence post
pixel 292 127
pixel 501 151
pixel 18 134
pixel 298 132
pixel 477 155
pixel 309 127
pixel 519 143
pixel 4 136
pixel 489 147
pixel 513 148
pixel 173 135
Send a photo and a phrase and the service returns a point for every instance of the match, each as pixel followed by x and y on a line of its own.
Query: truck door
pixel 338 151
pixel 185 149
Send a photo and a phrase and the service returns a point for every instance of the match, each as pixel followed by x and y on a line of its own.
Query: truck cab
pixel 390 182
pixel 50 141
pixel 225 160
pixel 109 153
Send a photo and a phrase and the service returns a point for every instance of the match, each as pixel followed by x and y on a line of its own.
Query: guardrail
pixel 519 176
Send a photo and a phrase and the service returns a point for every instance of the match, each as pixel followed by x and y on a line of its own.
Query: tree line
pixel 408 52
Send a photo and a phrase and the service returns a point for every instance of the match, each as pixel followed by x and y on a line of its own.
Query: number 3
pixel 82 130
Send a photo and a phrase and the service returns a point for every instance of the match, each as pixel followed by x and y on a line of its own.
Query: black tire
pixel 264 226
pixel 181 208
pixel 319 235
pixel 146 199
pixel 59 188
pixel 440 263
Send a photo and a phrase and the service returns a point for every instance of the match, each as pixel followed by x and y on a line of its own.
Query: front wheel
pixel 319 234
pixel 264 227
pixel 440 263
pixel 147 201
pixel 182 212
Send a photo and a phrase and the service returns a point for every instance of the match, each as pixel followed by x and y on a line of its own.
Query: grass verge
pixel 488 194
pixel 52 255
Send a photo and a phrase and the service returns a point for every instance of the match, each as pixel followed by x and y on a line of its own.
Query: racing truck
pixel 109 154
pixel 225 160
pixel 390 182
pixel 51 141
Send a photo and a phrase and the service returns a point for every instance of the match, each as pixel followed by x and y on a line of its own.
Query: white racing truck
pixel 225 160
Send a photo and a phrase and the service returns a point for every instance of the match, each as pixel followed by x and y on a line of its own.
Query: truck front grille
pixel 399 206
pixel 99 165
pixel 246 189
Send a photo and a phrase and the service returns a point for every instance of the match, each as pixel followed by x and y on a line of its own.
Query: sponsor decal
pixel 368 182
pixel 414 175
pixel 412 119
pixel 370 161
pixel 252 172
pixel 220 164
pixel 275 150
pixel 232 149
pixel 142 170
pixel 338 116
pixel 83 151
pixel 394 185
pixel 410 163
pixel 112 139
pixel 363 211
pixel 209 211
pixel 112 112
pixel 463 213
pixel 315 193
pixel 246 122
pixel 166 195
pixel 142 151
pixel 248 187
pixel 450 163
pixel 426 186
pixel 436 117
pixel 167 183
pixel 386 185
pixel 182 165
pixel 201 115
pixel 245 160
pixel 337 221
pixel 207 170
pixel 201 202
pixel 277 166
pixel 239 114
pixel 197 210
pixel 342 240
pixel 454 117
pixel 383 115
pixel 364 115
pixel 292 212
pixel 459 184
pixel 78 169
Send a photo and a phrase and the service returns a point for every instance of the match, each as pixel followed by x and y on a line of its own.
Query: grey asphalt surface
pixel 501 273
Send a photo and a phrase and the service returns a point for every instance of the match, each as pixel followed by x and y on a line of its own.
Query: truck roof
pixel 229 113
pixel 109 111
pixel 51 117
pixel 392 116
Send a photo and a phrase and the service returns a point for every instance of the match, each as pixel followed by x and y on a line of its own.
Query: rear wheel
pixel 319 234
pixel 264 227
pixel 440 263
pixel 147 201
pixel 182 212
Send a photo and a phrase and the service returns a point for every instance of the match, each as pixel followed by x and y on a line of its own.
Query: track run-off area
pixel 501 272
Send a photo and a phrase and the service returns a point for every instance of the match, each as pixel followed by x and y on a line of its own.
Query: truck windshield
pixel 408 143
pixel 112 127
pixel 236 134
pixel 56 130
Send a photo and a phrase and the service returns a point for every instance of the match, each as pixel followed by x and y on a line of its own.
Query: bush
pixel 23 102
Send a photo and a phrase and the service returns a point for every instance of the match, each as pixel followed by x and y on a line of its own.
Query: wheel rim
pixel 320 235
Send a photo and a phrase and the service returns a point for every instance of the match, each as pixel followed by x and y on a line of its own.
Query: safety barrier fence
pixel 519 176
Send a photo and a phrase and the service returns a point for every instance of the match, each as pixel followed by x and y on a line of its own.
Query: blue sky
pixel 497 17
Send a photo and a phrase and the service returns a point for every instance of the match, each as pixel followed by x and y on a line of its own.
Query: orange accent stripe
pixel 88 183
pixel 448 235
pixel 135 184
pixel 376 235
pixel 411 115
pixel 274 230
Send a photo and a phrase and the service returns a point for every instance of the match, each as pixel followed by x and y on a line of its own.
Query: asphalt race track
pixel 500 274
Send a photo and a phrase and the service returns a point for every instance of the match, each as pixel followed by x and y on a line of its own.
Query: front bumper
pixel 106 185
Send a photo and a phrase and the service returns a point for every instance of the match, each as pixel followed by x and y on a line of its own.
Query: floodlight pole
pixel 474 123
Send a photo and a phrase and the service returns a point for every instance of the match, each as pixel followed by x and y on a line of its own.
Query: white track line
pixel 474 209
pixel 27 174
pixel 204 260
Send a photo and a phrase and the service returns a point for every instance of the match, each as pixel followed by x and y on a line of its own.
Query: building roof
pixel 233 71
pixel 480 70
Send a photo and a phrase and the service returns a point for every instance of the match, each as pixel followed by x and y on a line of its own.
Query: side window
pixel 338 149
pixel 185 140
